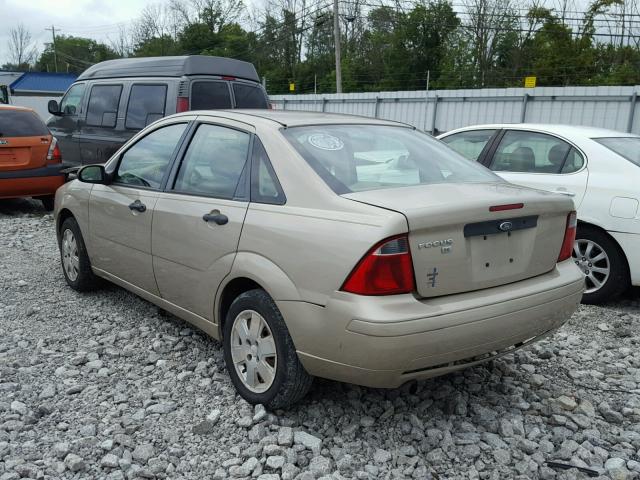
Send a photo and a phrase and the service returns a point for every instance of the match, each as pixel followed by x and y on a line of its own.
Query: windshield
pixel 627 147
pixel 353 158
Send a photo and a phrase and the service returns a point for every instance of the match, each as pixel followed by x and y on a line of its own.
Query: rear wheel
pixel 259 353
pixel 75 261
pixel 47 202
pixel 603 264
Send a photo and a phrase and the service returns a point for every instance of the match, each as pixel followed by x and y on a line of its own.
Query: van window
pixel 103 105
pixel 146 105
pixel 210 95
pixel 71 100
pixel 249 96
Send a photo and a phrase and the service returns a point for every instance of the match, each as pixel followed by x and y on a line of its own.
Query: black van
pixel 113 100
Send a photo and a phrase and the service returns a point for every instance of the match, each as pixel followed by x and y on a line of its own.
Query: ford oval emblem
pixel 506 226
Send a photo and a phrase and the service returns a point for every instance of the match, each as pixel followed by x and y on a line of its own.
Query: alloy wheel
pixel 594 262
pixel 253 351
pixel 70 258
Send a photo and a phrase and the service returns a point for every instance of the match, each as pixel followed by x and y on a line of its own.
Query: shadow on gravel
pixel 21 206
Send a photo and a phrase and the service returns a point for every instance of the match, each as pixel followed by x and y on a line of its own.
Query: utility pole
pixel 336 41
pixel 55 54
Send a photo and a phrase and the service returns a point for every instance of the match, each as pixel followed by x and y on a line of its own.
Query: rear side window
pixel 265 187
pixel 249 96
pixel 146 162
pixel 210 95
pixel 214 162
pixel 146 105
pixel 21 123
pixel 103 105
pixel 469 144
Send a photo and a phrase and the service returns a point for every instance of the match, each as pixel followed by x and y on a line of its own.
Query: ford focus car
pixel 322 245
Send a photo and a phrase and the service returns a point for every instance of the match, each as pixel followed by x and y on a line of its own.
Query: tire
pixel 77 273
pixel 47 202
pixel 594 244
pixel 285 380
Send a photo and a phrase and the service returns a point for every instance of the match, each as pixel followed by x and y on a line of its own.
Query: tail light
pixel 54 155
pixel 569 237
pixel 385 270
pixel 182 105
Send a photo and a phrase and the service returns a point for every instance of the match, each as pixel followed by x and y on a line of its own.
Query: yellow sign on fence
pixel 529 82
pixel 292 87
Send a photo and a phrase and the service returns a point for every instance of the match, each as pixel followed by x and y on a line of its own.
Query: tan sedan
pixel 311 244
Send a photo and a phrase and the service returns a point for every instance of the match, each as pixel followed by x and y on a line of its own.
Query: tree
pixel 74 54
pixel 21 48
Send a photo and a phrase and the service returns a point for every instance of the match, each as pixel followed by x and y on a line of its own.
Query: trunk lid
pixel 21 153
pixel 458 245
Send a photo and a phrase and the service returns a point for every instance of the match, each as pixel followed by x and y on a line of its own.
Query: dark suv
pixel 113 100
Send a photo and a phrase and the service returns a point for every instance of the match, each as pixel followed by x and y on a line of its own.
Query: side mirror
pixel 93 174
pixel 53 107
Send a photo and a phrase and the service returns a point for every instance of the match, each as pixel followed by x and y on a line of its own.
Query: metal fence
pixel 442 110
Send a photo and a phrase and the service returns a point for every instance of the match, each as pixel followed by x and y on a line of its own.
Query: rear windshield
pixel 21 123
pixel 249 96
pixel 627 147
pixel 353 158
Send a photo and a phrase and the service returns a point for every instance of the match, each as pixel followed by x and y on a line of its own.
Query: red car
pixel 30 160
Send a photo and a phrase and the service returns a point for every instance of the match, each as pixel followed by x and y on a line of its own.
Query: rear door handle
pixel 138 206
pixel 216 217
pixel 564 192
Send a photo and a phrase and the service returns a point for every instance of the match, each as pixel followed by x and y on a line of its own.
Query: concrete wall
pixel 443 110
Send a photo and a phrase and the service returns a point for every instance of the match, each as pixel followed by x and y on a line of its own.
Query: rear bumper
pixel 32 182
pixel 630 243
pixel 387 341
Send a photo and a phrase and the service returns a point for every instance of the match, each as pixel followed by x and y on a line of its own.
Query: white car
pixel 598 168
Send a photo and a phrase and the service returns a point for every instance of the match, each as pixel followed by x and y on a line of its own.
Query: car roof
pixel 16 107
pixel 292 118
pixel 568 131
pixel 176 66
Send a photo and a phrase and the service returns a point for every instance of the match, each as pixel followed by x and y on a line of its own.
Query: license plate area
pixel 506 225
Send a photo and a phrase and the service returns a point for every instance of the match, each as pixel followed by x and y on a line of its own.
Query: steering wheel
pixel 132 179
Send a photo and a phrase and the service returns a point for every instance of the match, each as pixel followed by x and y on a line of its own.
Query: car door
pixel 121 212
pixel 541 161
pixel 198 219
pixel 65 127
pixel 100 136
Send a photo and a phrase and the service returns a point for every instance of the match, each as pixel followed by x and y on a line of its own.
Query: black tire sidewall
pixel 618 281
pixel 261 302
pixel 47 203
pixel 85 279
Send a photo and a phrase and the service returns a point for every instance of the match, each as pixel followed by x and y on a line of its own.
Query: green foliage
pixel 74 54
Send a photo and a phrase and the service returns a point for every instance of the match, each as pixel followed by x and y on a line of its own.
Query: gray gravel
pixel 105 385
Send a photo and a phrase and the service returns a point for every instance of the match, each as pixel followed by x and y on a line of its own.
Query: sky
pixel 97 19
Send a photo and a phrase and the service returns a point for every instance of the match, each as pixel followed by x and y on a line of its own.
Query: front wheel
pixel 75 261
pixel 603 264
pixel 259 353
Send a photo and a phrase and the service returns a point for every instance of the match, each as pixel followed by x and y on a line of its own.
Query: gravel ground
pixel 105 385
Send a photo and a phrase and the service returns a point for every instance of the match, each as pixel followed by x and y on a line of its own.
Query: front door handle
pixel 216 217
pixel 564 192
pixel 138 206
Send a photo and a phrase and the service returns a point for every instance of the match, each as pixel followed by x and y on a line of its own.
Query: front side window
pixel 532 152
pixel 146 105
pixel 249 96
pixel 214 162
pixel 146 162
pixel 469 144
pixel 210 95
pixel 70 103
pixel 102 110
pixel 627 147
pixel 21 123
pixel 351 158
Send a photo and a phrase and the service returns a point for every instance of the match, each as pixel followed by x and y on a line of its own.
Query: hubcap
pixel 594 263
pixel 253 351
pixel 70 260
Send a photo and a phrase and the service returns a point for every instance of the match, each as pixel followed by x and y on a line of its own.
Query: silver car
pixel 322 245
